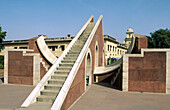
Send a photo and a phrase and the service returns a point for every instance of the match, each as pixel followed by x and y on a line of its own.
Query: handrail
pixel 45 51
pixel 31 98
pixel 67 84
pixel 111 67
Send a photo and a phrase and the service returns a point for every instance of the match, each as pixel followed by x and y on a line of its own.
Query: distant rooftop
pixel 107 37
pixel 46 39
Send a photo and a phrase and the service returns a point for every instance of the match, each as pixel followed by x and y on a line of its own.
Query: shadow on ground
pixel 107 85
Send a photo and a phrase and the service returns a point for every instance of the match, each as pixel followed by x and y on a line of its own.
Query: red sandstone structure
pixel 61 81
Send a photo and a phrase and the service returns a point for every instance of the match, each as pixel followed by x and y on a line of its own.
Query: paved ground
pixel 100 97
pixel 12 96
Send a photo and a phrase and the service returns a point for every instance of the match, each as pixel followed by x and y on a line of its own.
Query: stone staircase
pixel 54 84
pixel 115 76
pixel 44 65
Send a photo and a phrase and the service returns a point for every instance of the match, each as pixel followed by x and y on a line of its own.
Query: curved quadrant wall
pixel 50 57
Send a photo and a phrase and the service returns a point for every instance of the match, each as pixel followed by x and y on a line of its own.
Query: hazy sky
pixel 24 19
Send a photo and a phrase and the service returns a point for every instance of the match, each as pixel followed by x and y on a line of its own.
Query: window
pixel 53 47
pixel 62 47
pixel 15 47
pixel 22 47
pixel 113 48
pixel 108 47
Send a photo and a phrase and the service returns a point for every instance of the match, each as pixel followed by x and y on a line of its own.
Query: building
pixel 56 45
pixel 113 49
pixel 128 38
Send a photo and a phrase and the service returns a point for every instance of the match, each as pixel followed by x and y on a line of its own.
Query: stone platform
pixel 12 96
pixel 104 97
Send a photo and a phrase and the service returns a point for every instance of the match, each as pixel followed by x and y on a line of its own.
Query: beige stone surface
pixel 12 96
pixel 104 97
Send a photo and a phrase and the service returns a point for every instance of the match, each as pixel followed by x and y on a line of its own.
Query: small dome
pixel 130 30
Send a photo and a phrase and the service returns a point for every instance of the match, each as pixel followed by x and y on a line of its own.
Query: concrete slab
pixel 37 106
pixel 12 96
pixel 103 97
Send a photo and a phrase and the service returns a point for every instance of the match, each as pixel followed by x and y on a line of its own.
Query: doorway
pixel 88 70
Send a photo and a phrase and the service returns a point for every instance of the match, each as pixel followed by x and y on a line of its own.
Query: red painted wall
pixel 1 72
pixel 140 42
pixel 33 45
pixel 20 68
pixel 148 73
pixel 77 88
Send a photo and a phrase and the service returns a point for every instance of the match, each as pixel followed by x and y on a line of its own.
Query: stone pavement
pixel 12 96
pixel 100 97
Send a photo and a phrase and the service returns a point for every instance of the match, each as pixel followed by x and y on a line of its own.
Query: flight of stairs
pixel 115 76
pixel 52 88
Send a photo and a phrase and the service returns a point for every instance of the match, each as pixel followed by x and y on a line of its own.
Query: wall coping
pixel 148 50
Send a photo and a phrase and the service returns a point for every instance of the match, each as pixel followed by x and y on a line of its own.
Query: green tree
pixel 2 37
pixel 159 39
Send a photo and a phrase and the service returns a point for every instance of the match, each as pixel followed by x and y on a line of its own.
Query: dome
pixel 130 30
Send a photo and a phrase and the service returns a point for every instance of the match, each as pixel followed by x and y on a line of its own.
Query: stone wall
pixel 78 86
pixel 106 77
pixel 24 66
pixel 33 45
pixel 147 72
pixel 20 68
pixel 1 72
pixel 140 42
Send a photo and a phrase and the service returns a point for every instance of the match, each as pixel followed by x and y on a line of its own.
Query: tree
pixel 2 37
pixel 159 39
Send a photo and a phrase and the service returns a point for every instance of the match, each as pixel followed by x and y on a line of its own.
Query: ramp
pixel 112 67
pixel 117 66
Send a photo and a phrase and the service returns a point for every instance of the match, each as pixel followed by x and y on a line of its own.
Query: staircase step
pixel 72 55
pixel 66 64
pixel 64 68
pixel 56 76
pixel 75 49
pixel 73 52
pixel 64 72
pixel 49 92
pixel 44 98
pixel 54 81
pixel 79 42
pixel 68 61
pixel 52 87
pixel 70 58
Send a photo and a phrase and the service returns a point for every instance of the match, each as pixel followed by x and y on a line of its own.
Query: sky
pixel 24 19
